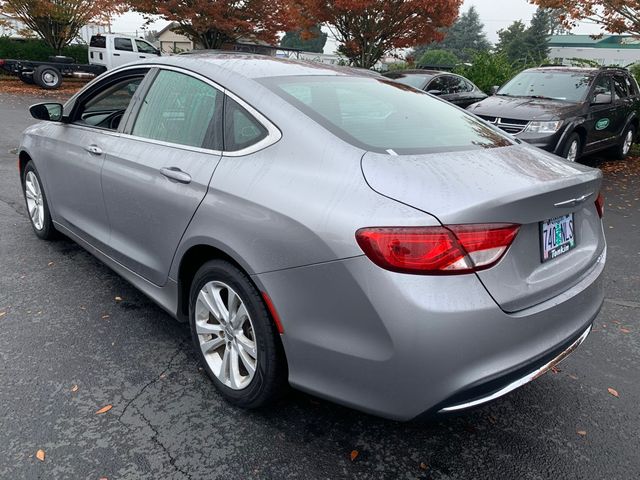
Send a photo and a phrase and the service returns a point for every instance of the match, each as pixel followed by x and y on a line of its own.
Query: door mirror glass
pixel 601 99
pixel 46 111
pixel 495 89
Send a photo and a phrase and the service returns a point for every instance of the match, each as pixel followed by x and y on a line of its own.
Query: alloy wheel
pixel 628 142
pixel 35 200
pixel 50 78
pixel 572 154
pixel 226 335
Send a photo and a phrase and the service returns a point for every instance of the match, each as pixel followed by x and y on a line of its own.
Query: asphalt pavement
pixel 75 337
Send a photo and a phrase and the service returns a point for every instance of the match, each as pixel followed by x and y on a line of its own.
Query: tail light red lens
pixel 454 249
pixel 600 205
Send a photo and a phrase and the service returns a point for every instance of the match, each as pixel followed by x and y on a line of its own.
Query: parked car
pixel 446 85
pixel 568 111
pixel 112 50
pixel 346 234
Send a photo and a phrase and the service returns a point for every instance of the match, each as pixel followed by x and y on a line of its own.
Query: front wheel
pixel 37 205
pixel 235 339
pixel 572 147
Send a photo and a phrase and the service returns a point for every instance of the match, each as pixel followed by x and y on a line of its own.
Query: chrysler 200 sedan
pixel 341 233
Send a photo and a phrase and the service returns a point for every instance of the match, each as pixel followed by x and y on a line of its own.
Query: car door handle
pixel 116 54
pixel 142 56
pixel 174 173
pixel 94 150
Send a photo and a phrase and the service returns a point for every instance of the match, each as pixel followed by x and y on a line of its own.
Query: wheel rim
pixel 572 154
pixel 35 200
pixel 49 78
pixel 628 141
pixel 226 335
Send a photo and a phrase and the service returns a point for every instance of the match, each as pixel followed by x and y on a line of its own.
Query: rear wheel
pixel 628 137
pixel 47 77
pixel 235 339
pixel 26 78
pixel 37 206
pixel 572 147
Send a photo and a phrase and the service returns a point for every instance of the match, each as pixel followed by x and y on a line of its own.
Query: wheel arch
pixel 23 159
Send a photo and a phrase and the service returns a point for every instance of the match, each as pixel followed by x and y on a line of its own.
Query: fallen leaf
pixel 2 314
pixel 613 392
pixel 582 433
pixel 103 478
pixel 555 369
pixel 104 317
pixel 104 409
pixel 50 264
pixel 118 299
pixel 423 466
pixel 74 388
pixel 40 455
pixel 625 330
pixel 574 377
pixel 493 419
pixel 354 454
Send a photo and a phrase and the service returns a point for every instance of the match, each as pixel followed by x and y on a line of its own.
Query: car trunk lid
pixel 515 184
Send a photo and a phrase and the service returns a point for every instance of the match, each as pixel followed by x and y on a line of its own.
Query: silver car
pixel 344 234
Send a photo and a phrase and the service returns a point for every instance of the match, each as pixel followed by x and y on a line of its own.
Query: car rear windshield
pixel 416 81
pixel 556 85
pixel 384 116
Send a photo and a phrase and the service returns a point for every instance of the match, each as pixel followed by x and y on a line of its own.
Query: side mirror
pixel 158 52
pixel 435 92
pixel 494 89
pixel 46 111
pixel 601 99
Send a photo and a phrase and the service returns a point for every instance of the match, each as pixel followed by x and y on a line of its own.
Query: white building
pixel 620 50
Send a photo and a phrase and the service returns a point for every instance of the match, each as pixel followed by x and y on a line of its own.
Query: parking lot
pixel 75 338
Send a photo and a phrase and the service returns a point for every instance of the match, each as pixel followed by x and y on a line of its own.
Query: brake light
pixel 600 205
pixel 450 250
pixel 1 62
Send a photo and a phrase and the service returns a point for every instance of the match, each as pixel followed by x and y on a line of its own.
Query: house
pixel 172 42
pixel 620 50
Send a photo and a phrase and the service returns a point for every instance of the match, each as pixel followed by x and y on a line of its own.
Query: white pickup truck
pixel 105 52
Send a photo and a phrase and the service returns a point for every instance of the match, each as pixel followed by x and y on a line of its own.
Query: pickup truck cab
pixel 112 50
pixel 569 111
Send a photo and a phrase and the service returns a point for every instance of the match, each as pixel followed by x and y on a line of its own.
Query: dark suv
pixel 566 110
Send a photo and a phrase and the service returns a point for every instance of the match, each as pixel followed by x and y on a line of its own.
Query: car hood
pixel 522 108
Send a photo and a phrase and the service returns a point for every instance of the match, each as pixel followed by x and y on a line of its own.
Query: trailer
pixel 49 74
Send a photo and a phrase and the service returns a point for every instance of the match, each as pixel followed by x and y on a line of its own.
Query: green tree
pixel 488 69
pixel 311 41
pixel 529 45
pixel 464 38
pixel 442 58
pixel 513 42
pixel 537 35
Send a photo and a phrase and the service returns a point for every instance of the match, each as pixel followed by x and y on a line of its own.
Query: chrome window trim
pixel 273 133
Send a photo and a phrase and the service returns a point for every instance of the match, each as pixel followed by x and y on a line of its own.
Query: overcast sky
pixel 495 14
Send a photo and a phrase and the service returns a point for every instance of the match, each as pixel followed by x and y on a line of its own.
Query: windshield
pixel 566 86
pixel 416 81
pixel 384 116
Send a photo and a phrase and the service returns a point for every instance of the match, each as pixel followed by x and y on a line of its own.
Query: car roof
pixel 254 66
pixel 425 72
pixel 561 68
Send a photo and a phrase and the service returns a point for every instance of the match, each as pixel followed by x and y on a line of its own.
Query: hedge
pixel 35 49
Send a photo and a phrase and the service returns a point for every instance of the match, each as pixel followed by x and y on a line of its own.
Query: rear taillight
pixel 1 62
pixel 600 205
pixel 454 249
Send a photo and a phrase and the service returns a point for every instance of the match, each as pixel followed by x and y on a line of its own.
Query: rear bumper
pixel 401 345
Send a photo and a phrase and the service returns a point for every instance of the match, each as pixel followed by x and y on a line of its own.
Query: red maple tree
pixel 615 16
pixel 212 23
pixel 369 29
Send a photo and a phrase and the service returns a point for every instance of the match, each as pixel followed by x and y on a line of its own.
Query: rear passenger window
pixel 123 44
pixel 180 109
pixel 98 41
pixel 241 130
pixel 620 87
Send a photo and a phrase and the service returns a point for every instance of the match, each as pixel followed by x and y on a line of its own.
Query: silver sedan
pixel 324 228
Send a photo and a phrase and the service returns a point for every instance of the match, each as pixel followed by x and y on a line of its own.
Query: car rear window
pixel 384 116
pixel 98 41
pixel 416 81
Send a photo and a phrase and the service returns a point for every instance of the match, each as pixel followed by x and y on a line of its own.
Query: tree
pixel 512 41
pixel 58 22
pixel 488 69
pixel 537 35
pixel 311 41
pixel 464 38
pixel 212 23
pixel 366 30
pixel 438 58
pixel 615 16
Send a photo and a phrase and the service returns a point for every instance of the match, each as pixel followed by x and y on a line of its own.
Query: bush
pixel 635 70
pixel 438 58
pixel 489 69
pixel 34 49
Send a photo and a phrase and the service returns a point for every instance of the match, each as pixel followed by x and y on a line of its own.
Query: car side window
pixel 241 130
pixel 437 84
pixel 602 87
pixel 620 87
pixel 180 109
pixel 106 107
pixel 631 85
pixel 123 44
pixel 144 47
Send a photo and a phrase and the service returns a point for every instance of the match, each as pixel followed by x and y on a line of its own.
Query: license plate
pixel 557 237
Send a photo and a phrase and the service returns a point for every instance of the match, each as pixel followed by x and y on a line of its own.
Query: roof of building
pixel 588 41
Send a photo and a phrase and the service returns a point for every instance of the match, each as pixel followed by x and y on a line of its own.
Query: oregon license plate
pixel 557 236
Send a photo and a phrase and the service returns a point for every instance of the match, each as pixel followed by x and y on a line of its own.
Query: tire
pixel 622 150
pixel 573 142
pixel 28 79
pixel 47 77
pixel 221 279
pixel 36 201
